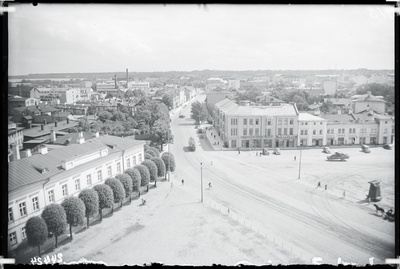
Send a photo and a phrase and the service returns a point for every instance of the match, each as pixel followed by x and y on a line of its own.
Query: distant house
pixel 22 102
pixel 60 116
pixel 367 102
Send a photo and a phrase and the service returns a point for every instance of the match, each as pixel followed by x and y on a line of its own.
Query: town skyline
pixel 157 38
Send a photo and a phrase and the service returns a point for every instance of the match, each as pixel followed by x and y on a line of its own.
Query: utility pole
pixel 301 147
pixel 201 175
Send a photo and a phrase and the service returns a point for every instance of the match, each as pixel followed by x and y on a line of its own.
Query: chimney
pixel 55 124
pixel 80 139
pixel 96 134
pixel 42 149
pixel 53 136
pixel 15 149
pixel 339 112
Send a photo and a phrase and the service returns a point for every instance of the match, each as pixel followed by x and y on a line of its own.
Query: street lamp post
pixel 201 176
pixel 301 147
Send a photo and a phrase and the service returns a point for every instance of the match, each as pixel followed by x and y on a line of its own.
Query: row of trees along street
pixel 150 117
pixel 91 202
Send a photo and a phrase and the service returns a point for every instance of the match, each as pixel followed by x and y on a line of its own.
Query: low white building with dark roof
pixel 51 176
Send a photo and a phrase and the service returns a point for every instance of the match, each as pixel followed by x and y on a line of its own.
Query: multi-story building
pixel 51 176
pixel 15 135
pixel 70 96
pixel 233 84
pixel 312 130
pixel 245 126
pixel 366 102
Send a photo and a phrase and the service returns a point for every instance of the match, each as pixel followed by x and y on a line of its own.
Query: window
pixel 140 157
pixel 339 131
pixel 118 167
pixel 13 238
pixel 320 132
pixel 315 123
pixel 64 190
pixel 301 132
pixel 268 132
pixel 306 123
pixel 35 203
pixel 251 131
pixel 51 196
pixel 285 121
pixel 257 131
pixel 89 180
pixel 244 121
pixel 10 214
pixel 251 121
pixel 385 130
pixel 291 121
pixel 269 122
pixel 343 131
pixel 244 131
pixel 320 123
pixel 23 231
pixel 305 132
pixel 328 131
pixel 290 131
pixel 99 175
pixel 257 121
pixel 22 209
pixel 279 131
pixel 332 131
pixel 109 171
pixel 233 121
pixel 128 162
pixel 279 120
pixel 77 184
pixel 313 132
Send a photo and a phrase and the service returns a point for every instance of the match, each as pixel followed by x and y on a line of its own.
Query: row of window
pixel 13 236
pixel 256 131
pixel 257 121
pixel 306 123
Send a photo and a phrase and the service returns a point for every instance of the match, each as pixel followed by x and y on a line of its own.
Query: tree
pixel 327 107
pixel 151 152
pixel 155 150
pixel 169 162
pixel 198 112
pixel 118 116
pixel 144 174
pixel 160 166
pixel 36 231
pixel 160 133
pixel 126 181
pixel 168 153
pixel 168 99
pixel 152 167
pixel 91 200
pixel 105 115
pixel 251 93
pixel 84 124
pixel 56 220
pixel 106 197
pixel 147 156
pixel 128 93
pixel 117 188
pixel 75 211
pixel 136 178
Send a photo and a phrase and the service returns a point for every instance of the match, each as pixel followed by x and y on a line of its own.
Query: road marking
pixel 6 261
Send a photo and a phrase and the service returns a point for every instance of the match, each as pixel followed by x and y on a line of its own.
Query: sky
pixel 80 38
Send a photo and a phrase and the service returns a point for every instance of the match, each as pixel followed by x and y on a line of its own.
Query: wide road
pixel 266 192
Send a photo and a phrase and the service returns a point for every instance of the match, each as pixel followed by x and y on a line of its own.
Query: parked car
pixel 277 151
pixel 338 156
pixel 181 116
pixel 326 150
pixel 387 146
pixel 365 149
pixel 265 151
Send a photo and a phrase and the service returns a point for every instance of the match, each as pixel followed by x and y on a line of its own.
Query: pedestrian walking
pixel 256 153
pixel 326 186
pixel 183 182
pixel 209 185
pixel 319 184
pixel 294 157
pixel 214 136
pixel 218 143
pixel 344 194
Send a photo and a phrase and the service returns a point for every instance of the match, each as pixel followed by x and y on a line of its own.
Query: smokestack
pixel 80 139
pixel 15 150
pixel 127 78
pixel 53 136
pixel 96 134
pixel 42 149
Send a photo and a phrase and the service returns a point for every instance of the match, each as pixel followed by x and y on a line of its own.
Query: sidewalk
pixel 212 136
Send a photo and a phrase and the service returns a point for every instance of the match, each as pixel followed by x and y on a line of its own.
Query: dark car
pixel 387 146
pixel 338 156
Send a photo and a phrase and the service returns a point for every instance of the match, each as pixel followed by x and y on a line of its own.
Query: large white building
pixel 52 176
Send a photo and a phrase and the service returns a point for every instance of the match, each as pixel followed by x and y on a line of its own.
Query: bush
pixel 147 156
pixel 152 169
pixel 167 153
pixel 56 220
pixel 117 188
pixel 36 231
pixel 160 166
pixel 151 152
pixel 144 174
pixel 91 200
pixel 126 181
pixel 136 178
pixel 106 197
pixel 155 150
pixel 146 147
pixel 169 160
pixel 75 211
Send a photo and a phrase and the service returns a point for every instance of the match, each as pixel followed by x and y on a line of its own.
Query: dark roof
pixel 41 118
pixel 25 171
pixel 62 114
pixel 16 99
pixel 337 117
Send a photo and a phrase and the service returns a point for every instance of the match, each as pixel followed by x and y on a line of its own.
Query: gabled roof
pixel 41 118
pixel 24 171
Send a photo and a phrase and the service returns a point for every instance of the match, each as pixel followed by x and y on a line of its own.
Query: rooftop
pixel 25 171
pixel 309 117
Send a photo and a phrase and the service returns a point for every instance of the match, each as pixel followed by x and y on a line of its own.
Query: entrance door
pixel 277 144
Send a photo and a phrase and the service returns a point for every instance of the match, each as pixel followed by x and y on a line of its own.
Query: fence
pixel 299 256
